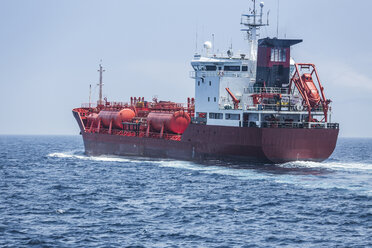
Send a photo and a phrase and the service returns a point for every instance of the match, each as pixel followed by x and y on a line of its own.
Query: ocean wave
pixel 74 155
pixel 304 174
pixel 222 169
pixel 329 165
pixel 182 165
pixel 104 158
pixel 165 163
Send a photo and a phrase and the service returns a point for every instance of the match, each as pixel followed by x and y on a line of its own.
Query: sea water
pixel 52 195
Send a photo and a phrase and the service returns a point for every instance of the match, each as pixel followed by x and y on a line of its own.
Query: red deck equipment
pixel 308 90
pixel 235 100
pixel 174 122
pixel 116 118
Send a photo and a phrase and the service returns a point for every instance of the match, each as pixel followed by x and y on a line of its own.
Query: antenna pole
pixel 277 21
pixel 254 12
pixel 261 14
pixel 213 43
pixel 196 41
pixel 101 70
pixel 90 94
pixel 252 23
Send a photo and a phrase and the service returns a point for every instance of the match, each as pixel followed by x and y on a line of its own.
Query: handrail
pixel 288 107
pixel 274 90
pixel 310 125
pixel 277 107
pixel 88 105
pixel 194 74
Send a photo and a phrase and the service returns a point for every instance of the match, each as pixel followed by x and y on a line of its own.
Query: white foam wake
pixel 217 170
pixel 359 181
pixel 348 166
pixel 312 177
pixel 73 155
pixel 186 165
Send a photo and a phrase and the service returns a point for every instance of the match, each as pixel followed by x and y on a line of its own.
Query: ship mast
pixel 90 95
pixel 252 23
pixel 101 71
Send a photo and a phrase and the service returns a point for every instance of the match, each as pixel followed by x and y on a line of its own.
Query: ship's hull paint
pixel 204 142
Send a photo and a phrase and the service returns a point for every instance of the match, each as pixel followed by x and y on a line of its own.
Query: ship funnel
pixel 273 62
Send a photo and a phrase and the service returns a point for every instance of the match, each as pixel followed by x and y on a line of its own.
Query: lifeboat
pixel 310 90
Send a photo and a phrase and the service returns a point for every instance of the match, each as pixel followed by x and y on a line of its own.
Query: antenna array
pixel 252 23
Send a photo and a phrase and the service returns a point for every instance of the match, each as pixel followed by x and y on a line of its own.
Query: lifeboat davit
pixel 173 122
pixel 117 117
pixel 311 90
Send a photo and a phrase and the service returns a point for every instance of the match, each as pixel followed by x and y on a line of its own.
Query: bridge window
pixel 211 67
pixel 232 117
pixel 210 83
pixel 232 68
pixel 215 99
pixel 244 68
pixel 216 116
pixel 209 99
pixel 198 83
pixel 278 55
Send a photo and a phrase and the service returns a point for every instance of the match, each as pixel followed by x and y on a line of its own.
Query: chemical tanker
pixel 260 106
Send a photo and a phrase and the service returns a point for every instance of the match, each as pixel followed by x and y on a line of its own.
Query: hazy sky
pixel 50 51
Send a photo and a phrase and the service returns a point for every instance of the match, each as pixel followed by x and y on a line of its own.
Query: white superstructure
pixel 226 92
pixel 213 76
pixel 237 72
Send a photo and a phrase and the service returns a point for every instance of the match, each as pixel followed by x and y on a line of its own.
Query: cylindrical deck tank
pixel 92 118
pixel 117 117
pixel 173 122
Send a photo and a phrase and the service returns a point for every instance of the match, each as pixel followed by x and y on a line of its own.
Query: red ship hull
pixel 204 142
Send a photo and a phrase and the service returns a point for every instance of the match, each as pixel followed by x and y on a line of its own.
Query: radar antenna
pixel 252 23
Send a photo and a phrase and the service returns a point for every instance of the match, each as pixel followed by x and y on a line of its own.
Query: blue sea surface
pixel 52 195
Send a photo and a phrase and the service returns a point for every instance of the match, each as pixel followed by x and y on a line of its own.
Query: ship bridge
pixel 217 78
pixel 261 88
pixel 233 90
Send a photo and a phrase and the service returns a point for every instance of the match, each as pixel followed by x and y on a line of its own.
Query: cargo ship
pixel 257 106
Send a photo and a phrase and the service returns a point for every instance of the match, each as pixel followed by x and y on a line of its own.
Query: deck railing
pixel 272 90
pixel 88 105
pixel 313 125
pixel 194 74
pixel 287 107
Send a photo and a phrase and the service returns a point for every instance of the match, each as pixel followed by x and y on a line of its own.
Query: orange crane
pixel 235 100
